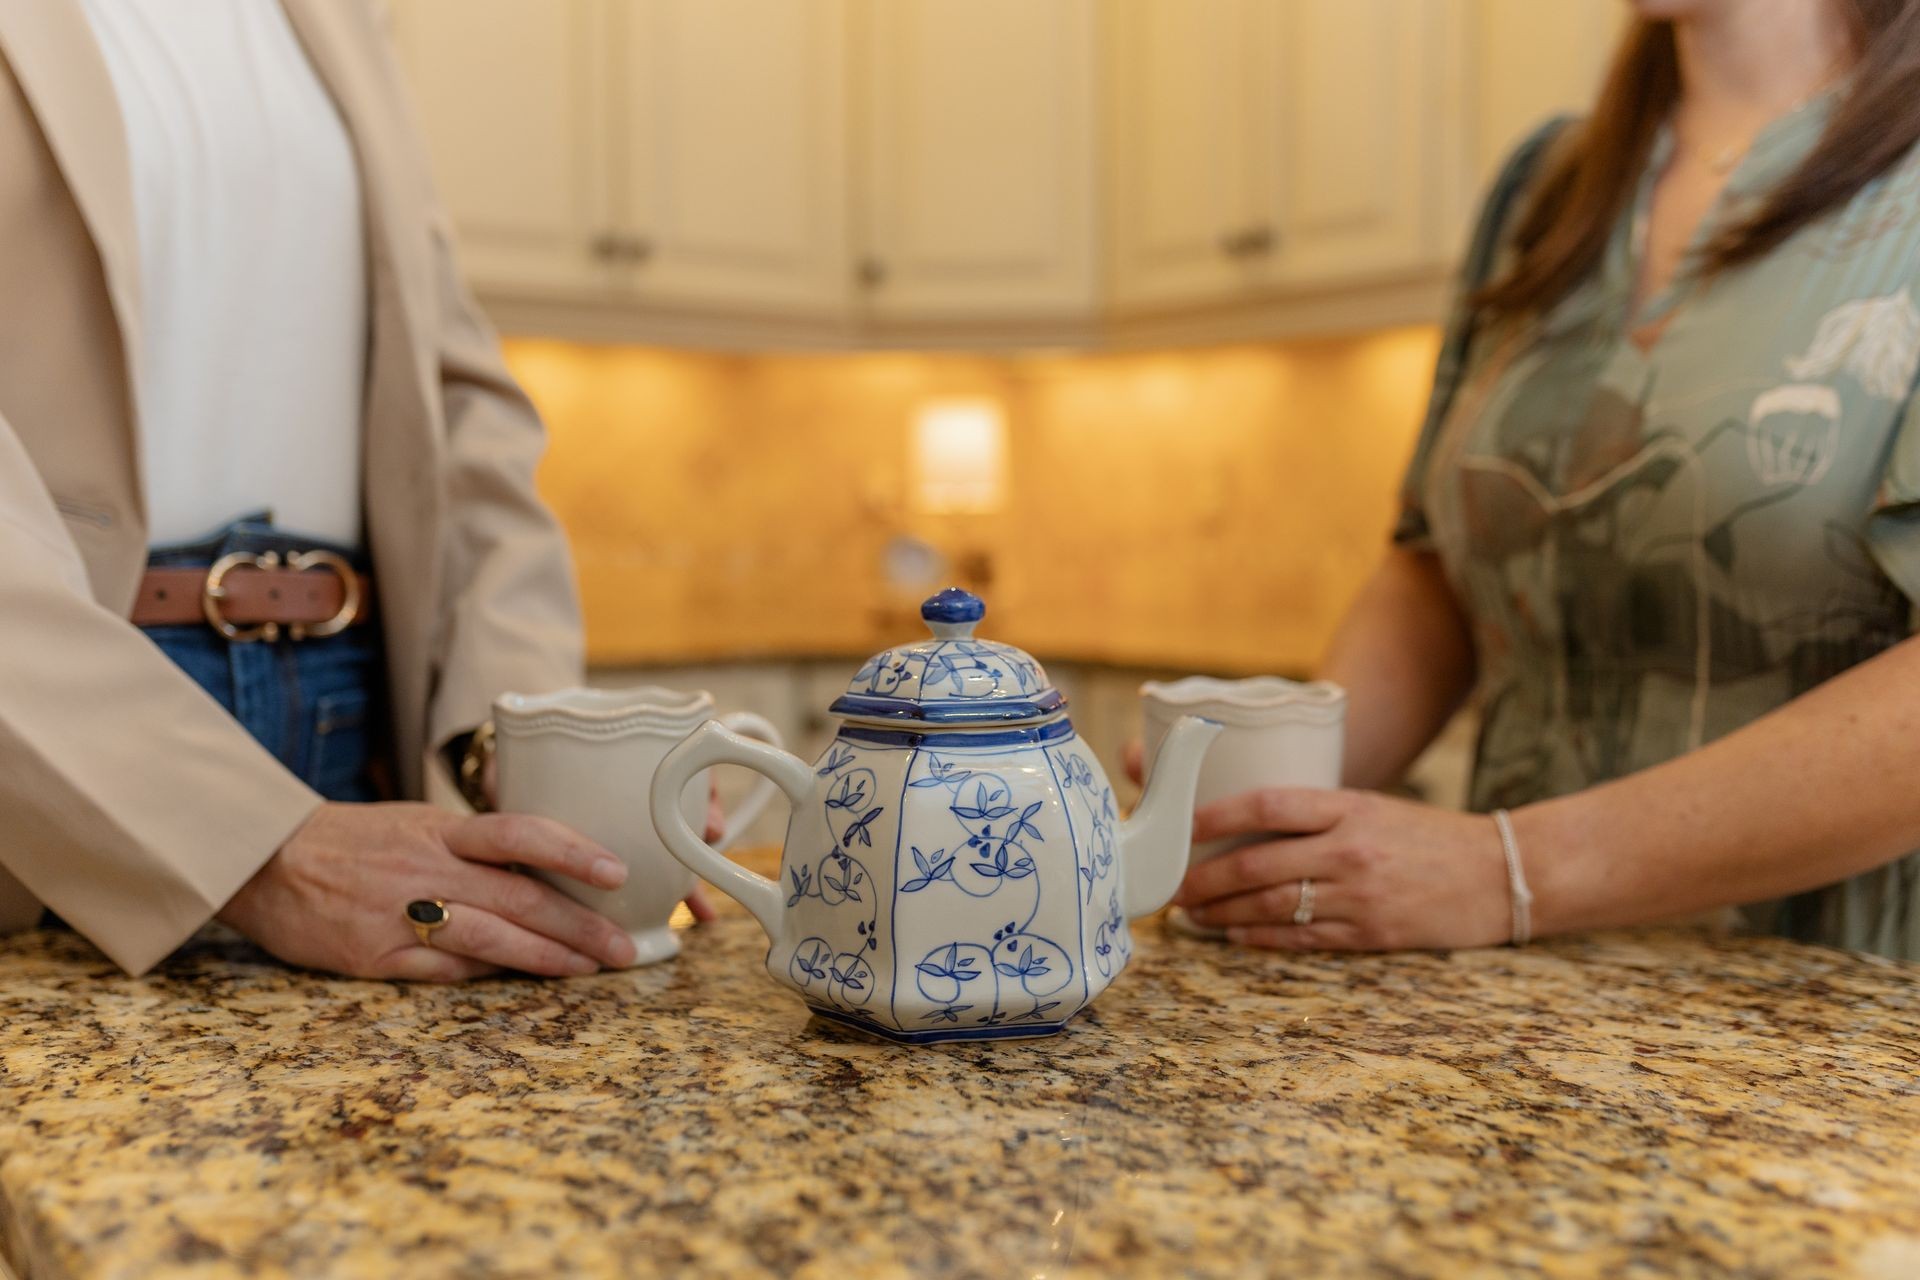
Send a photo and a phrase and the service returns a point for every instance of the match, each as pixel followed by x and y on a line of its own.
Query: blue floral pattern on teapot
pixel 956 866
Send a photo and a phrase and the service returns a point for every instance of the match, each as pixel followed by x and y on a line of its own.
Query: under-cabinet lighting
pixel 959 457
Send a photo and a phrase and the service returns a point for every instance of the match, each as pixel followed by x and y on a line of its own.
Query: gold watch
pixel 472 773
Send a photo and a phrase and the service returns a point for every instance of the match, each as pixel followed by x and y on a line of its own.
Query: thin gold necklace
pixel 1722 162
pixel 1726 159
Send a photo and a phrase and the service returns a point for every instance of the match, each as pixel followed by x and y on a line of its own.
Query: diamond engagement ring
pixel 1303 914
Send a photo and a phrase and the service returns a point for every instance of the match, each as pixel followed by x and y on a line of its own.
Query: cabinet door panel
pixel 509 95
pixel 1356 94
pixel 1190 150
pixel 1532 61
pixel 1511 65
pixel 732 122
pixel 977 191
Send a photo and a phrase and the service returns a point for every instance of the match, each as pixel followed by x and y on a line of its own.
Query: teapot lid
pixel 951 679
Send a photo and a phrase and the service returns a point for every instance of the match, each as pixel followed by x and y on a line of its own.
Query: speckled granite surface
pixel 1663 1105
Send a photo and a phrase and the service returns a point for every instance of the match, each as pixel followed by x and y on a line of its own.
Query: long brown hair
pixel 1588 182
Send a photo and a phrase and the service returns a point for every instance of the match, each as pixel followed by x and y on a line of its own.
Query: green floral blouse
pixel 1657 547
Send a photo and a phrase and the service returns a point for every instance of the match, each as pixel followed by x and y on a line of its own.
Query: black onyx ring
pixel 426 915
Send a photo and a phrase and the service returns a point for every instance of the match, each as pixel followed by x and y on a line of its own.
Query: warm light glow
pixel 1212 508
pixel 959 457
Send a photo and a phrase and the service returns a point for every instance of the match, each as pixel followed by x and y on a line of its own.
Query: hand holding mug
pixel 696 899
pixel 1277 733
pixel 1386 874
pixel 586 757
pixel 334 896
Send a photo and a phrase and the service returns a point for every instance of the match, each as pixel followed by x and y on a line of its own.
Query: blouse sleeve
pixel 1893 527
pixel 1411 528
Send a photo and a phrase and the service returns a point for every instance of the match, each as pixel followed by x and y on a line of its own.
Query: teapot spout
pixel 1155 841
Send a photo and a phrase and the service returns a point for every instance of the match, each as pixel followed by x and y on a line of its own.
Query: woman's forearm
pixel 1405 657
pixel 1819 790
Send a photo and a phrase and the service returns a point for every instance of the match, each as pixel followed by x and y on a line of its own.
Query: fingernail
pixel 609 873
pixel 1199 915
pixel 1236 935
pixel 581 966
pixel 621 952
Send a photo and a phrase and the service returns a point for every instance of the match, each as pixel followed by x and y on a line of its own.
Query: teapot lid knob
pixel 952 614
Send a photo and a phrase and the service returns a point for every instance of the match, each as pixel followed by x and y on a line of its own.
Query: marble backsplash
pixel 1211 509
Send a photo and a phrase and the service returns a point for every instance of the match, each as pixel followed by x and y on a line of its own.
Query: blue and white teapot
pixel 955 867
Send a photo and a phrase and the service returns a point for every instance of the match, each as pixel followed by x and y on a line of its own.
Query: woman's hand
pixel 1387 874
pixel 334 896
pixel 716 827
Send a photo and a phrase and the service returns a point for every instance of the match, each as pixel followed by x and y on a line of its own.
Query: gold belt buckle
pixel 215 591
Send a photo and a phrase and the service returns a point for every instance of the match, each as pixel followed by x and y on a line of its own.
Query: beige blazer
pixel 130 803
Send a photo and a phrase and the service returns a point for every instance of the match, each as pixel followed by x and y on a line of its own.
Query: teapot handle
pixel 749 725
pixel 713 743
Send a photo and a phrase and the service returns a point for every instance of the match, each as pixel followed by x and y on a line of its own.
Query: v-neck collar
pixel 1775 152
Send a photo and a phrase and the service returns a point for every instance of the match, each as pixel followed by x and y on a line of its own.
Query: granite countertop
pixel 1665 1104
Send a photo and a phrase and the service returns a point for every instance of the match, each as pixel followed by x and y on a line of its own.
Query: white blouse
pixel 252 269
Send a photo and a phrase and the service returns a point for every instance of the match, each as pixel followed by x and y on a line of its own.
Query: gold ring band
pixel 427 915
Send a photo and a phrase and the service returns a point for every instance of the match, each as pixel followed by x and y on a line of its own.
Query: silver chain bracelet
pixel 1522 897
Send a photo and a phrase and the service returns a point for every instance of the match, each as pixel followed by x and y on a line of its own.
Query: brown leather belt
pixel 304 596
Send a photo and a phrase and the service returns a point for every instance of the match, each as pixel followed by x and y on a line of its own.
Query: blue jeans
pixel 317 705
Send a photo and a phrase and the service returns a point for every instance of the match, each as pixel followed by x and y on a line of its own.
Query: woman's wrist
pixel 469 757
pixel 1563 870
pixel 1519 894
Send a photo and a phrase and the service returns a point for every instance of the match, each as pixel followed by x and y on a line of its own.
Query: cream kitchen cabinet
pixel 667 156
pixel 1265 145
pixel 511 95
pixel 1191 149
pixel 1361 123
pixel 730 122
pixel 978 164
pixel 980 173
pixel 1533 61
pixel 1521 63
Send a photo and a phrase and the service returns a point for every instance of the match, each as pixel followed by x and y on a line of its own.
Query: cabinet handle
pixel 610 246
pixel 1251 242
pixel 872 273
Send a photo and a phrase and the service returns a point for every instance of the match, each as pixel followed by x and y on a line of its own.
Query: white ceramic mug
pixel 1276 733
pixel 586 757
